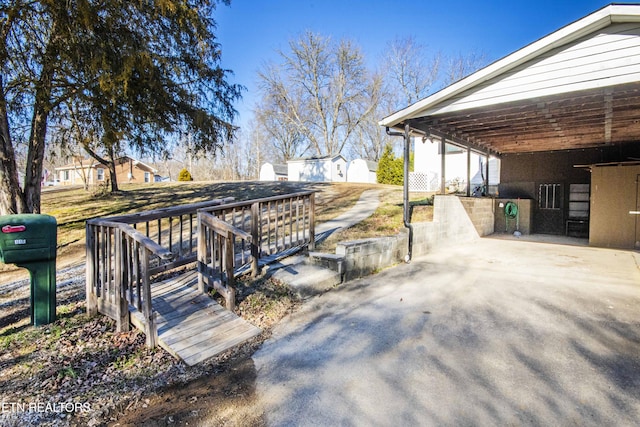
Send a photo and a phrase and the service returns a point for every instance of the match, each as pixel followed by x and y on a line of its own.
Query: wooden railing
pixel 125 252
pixel 219 244
pixel 174 228
pixel 118 273
pixel 275 223
pixel 237 235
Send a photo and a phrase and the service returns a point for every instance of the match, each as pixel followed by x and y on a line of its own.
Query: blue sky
pixel 251 31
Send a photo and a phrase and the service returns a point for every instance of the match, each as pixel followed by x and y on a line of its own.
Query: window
pixel 549 196
pixel 66 176
pixel 100 174
pixel 147 177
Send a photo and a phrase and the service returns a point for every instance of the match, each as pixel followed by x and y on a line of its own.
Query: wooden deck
pixel 192 326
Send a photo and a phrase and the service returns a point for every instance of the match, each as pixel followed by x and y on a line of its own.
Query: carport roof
pixel 578 87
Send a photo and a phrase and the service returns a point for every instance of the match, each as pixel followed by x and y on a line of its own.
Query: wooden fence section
pixel 125 253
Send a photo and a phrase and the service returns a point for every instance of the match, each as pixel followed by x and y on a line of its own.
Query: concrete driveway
pixel 497 332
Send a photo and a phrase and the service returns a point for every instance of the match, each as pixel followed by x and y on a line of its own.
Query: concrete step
pixel 304 277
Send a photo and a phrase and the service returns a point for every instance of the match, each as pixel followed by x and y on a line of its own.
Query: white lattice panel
pixel 423 182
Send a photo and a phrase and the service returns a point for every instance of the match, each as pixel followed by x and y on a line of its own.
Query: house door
pixel 549 209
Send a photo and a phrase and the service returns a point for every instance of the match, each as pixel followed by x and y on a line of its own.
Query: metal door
pixel 549 209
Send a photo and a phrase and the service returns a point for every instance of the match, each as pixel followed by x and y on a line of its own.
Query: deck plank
pixel 191 326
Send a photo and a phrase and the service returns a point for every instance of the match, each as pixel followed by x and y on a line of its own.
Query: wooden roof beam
pixel 460 142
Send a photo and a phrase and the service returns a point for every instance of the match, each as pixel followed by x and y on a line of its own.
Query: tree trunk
pixel 112 170
pixel 35 157
pixel 110 164
pixel 41 109
pixel 11 197
pixel 113 180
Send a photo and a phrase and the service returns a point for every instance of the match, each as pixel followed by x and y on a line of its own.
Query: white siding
pixel 267 173
pixel 310 170
pixel 611 56
pixel 358 171
pixel 318 170
pixel 294 169
pixel 338 171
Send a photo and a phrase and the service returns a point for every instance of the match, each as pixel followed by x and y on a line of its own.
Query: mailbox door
pixel 27 237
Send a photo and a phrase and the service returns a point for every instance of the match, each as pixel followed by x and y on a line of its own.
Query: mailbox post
pixel 29 241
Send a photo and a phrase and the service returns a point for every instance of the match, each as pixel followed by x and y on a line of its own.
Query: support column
pixel 486 175
pixel 468 172
pixel 443 150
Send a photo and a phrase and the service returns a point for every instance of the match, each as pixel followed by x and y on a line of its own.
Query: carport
pixel 569 99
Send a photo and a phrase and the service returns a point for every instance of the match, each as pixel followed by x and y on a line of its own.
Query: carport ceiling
pixel 593 118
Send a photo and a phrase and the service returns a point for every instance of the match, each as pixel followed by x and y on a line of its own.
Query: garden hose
pixel 511 210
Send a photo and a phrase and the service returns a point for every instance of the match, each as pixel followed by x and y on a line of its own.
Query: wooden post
pixel 290 223
pixel 312 221
pixel 230 298
pixel 255 237
pixel 138 273
pixel 120 300
pixel 147 309
pixel 202 252
pixel 170 233
pixel 90 279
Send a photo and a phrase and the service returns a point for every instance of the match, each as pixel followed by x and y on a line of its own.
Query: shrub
pixel 185 175
pixel 390 168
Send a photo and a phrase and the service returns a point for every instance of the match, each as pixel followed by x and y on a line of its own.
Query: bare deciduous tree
pixel 461 65
pixel 370 138
pixel 410 70
pixel 321 90
pixel 278 120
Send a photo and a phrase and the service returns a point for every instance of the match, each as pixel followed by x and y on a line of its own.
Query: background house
pixel 360 170
pixel 89 171
pixel 427 168
pixel 569 99
pixel 274 172
pixel 318 169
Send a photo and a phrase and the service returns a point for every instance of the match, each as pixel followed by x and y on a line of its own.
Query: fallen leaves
pixel 84 360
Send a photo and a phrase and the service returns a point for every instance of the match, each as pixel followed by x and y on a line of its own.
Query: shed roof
pixel 577 87
pixel 279 169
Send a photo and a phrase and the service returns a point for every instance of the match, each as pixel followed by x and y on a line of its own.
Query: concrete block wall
pixel 366 256
pixel 451 225
pixel 481 213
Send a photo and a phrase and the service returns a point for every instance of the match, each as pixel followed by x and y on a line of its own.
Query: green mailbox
pixel 29 241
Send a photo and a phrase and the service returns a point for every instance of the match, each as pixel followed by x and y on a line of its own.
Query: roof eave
pixel 593 22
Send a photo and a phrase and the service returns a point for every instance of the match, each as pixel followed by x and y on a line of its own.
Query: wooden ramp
pixel 191 326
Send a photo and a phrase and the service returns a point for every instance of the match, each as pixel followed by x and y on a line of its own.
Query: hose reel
pixel 511 210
